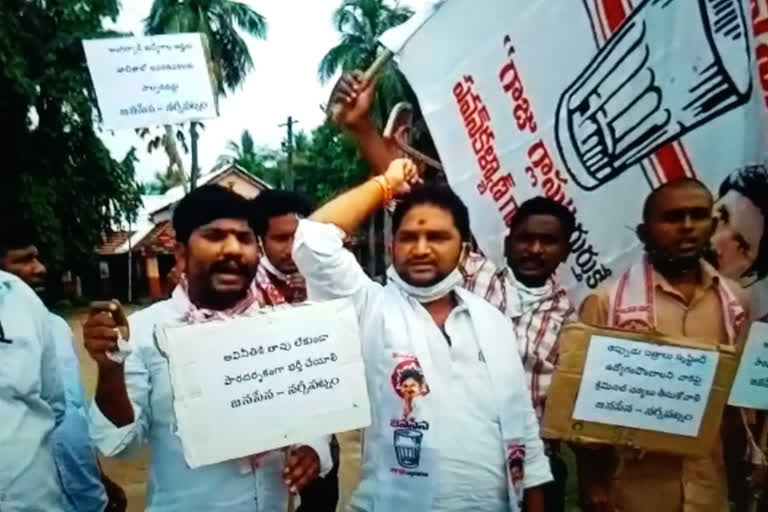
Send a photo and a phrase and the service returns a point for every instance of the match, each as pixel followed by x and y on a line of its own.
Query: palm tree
pixel 361 23
pixel 259 161
pixel 230 60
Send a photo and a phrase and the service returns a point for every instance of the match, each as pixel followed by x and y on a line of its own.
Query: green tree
pixel 259 161
pixel 360 24
pixel 327 163
pixel 57 172
pixel 230 61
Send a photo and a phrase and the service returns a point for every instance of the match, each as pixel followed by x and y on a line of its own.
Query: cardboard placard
pixel 258 383
pixel 559 421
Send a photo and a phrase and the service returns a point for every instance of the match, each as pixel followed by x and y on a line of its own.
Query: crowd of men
pixel 451 343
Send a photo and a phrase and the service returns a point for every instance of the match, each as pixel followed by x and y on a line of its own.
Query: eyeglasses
pixel 3 339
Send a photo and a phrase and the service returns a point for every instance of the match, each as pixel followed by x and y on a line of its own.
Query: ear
pixel 180 251
pixel 642 232
pixel 715 220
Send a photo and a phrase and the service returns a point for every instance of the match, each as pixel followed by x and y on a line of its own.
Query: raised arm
pixel 354 98
pixel 351 208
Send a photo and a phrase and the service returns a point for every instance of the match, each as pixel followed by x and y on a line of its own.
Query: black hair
pixel 15 233
pixel 752 182
pixel 274 203
pixel 545 206
pixel 437 195
pixel 650 201
pixel 411 373
pixel 207 204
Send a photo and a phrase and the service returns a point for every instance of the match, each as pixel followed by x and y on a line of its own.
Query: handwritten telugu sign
pixel 646 386
pixel 145 81
pixel 750 387
pixel 258 383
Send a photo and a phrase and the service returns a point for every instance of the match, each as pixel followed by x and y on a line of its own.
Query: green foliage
pixel 219 20
pixel 259 161
pixel 360 24
pixel 56 171
pixel 329 164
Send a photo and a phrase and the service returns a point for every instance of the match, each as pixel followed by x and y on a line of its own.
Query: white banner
pixel 152 80
pixel 593 103
pixel 271 380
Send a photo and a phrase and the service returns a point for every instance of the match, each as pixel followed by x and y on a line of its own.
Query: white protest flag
pixel 151 80
pixel 591 103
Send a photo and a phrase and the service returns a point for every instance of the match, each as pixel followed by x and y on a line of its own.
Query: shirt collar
pixel 709 279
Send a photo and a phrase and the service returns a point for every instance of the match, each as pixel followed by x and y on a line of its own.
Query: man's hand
pixel 301 467
pixel 402 175
pixel 351 100
pixel 596 497
pixel 101 331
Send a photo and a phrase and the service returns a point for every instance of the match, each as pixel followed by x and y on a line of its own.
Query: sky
pixel 284 81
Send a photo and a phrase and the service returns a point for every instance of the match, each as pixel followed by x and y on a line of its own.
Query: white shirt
pixel 173 486
pixel 470 460
pixel 31 402
pixel 470 464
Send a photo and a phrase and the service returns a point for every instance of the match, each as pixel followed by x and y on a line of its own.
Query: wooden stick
pixel 383 58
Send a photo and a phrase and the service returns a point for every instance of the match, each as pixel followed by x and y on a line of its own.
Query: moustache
pixel 228 266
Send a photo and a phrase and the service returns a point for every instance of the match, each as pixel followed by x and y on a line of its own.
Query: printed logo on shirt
pixel 409 383
pixel 516 467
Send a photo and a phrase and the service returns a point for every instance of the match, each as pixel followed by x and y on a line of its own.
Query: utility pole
pixel 289 177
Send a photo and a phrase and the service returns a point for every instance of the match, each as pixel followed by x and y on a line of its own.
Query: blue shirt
pixel 231 486
pixel 31 401
pixel 75 456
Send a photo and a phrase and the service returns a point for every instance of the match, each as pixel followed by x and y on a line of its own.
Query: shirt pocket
pixel 19 367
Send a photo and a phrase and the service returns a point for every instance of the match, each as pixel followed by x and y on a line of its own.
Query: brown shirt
pixel 665 483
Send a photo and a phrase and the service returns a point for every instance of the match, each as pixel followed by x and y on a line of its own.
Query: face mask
pixel 427 294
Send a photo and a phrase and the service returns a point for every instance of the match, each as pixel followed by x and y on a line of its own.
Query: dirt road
pixel 132 474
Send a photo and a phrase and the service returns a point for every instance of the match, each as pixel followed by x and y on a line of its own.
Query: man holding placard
pixel 134 403
pixel 453 425
pixel 671 291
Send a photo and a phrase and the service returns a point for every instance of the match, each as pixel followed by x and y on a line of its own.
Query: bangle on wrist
pixel 385 187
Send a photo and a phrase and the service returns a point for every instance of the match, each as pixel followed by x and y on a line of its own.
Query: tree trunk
pixel 174 156
pixel 194 172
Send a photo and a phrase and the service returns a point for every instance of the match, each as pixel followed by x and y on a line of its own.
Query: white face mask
pixel 426 294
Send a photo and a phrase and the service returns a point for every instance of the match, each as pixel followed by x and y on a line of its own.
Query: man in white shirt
pixel 31 401
pixel 79 471
pixel 453 426
pixel 133 404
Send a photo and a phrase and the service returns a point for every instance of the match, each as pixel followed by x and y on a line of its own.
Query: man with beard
pixel 525 291
pixel 218 251
pixel 474 419
pixel 673 291
pixel 86 488
pixel 276 215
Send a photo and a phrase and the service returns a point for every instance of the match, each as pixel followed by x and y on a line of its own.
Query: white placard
pixel 642 385
pixel 750 387
pixel 145 81
pixel 254 384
